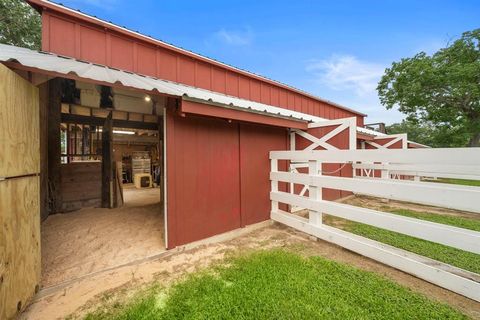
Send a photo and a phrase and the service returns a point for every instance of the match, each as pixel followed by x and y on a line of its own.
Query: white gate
pixel 458 162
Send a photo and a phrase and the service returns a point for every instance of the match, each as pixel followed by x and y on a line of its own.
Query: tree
pixel 430 135
pixel 441 91
pixel 20 24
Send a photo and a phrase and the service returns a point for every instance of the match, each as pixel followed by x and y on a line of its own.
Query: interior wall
pixel 81 185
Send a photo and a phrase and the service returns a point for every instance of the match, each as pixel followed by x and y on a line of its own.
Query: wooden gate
pixel 19 193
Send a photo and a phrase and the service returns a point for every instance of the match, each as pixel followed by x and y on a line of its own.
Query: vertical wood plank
pixel 314 192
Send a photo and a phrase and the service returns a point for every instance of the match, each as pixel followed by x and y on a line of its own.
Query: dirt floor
pixel 78 297
pixel 78 243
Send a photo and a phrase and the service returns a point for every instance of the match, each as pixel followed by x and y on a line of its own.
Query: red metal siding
pixel 92 45
pixel 218 80
pixel 166 65
pixel 122 53
pixel 204 178
pixel 231 85
pixel 62 42
pixel 218 175
pixel 256 142
pixel 146 60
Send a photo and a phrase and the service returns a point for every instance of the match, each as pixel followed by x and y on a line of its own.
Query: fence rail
pixel 454 162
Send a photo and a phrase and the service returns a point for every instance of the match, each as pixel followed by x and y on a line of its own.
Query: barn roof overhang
pixel 55 65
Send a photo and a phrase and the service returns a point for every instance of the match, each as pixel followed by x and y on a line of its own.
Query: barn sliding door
pixel 19 193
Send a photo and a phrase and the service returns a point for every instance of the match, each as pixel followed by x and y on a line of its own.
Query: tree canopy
pixel 439 93
pixel 20 24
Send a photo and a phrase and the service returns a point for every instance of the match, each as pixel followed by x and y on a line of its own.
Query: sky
pixel 337 50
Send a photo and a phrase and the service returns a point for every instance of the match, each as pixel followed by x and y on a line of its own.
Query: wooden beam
pixel 229 113
pixel 96 121
pixel 107 163
pixel 54 148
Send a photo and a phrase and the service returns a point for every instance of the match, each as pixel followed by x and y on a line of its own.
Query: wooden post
pixel 54 146
pixel 274 184
pixel 314 192
pixel 43 104
pixel 107 163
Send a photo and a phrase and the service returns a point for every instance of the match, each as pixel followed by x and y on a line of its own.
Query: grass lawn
pixel 475 183
pixel 459 258
pixel 279 284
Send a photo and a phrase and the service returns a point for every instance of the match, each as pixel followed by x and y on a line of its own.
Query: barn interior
pixel 105 178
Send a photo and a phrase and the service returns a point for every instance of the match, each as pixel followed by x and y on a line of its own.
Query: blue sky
pixel 334 49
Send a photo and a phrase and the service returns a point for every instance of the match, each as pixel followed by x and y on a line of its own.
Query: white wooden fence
pixel 455 163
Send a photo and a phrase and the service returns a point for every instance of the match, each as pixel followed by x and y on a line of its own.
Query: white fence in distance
pixel 456 163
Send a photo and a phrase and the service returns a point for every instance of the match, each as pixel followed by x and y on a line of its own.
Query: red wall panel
pixel 265 93
pixel 121 53
pixel 218 175
pixel 147 63
pixel 63 37
pixel 92 45
pixel 204 178
pixel 186 74
pixel 256 142
pixel 203 77
pixel 243 87
pixel 166 65
pixel 231 85
pixel 255 93
pixel 218 80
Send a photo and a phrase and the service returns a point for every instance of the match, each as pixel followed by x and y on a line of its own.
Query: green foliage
pixel 282 285
pixel 441 91
pixel 426 133
pixel 20 24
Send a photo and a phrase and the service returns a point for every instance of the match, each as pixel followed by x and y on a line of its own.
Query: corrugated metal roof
pixel 82 69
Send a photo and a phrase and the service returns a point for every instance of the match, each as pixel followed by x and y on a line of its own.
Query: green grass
pixel 280 285
pixel 475 183
pixel 456 221
pixel 459 258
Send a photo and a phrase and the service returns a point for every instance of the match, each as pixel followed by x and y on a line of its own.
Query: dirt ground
pixel 78 297
pixel 78 243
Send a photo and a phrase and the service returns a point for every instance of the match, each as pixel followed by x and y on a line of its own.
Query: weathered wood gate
pixel 19 193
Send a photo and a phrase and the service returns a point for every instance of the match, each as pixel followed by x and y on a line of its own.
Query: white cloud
pixel 352 82
pixel 235 37
pixel 347 73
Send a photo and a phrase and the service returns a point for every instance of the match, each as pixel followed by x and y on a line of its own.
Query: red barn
pixel 117 106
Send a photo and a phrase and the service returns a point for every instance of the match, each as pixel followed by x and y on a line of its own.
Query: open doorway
pixel 104 130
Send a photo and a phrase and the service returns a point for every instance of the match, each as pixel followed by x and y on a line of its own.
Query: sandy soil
pixel 92 239
pixel 115 285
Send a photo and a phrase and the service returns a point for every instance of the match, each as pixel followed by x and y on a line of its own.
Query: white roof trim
pixel 64 65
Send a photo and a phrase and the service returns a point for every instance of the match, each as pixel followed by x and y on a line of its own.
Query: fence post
pixel 314 192
pixel 274 183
